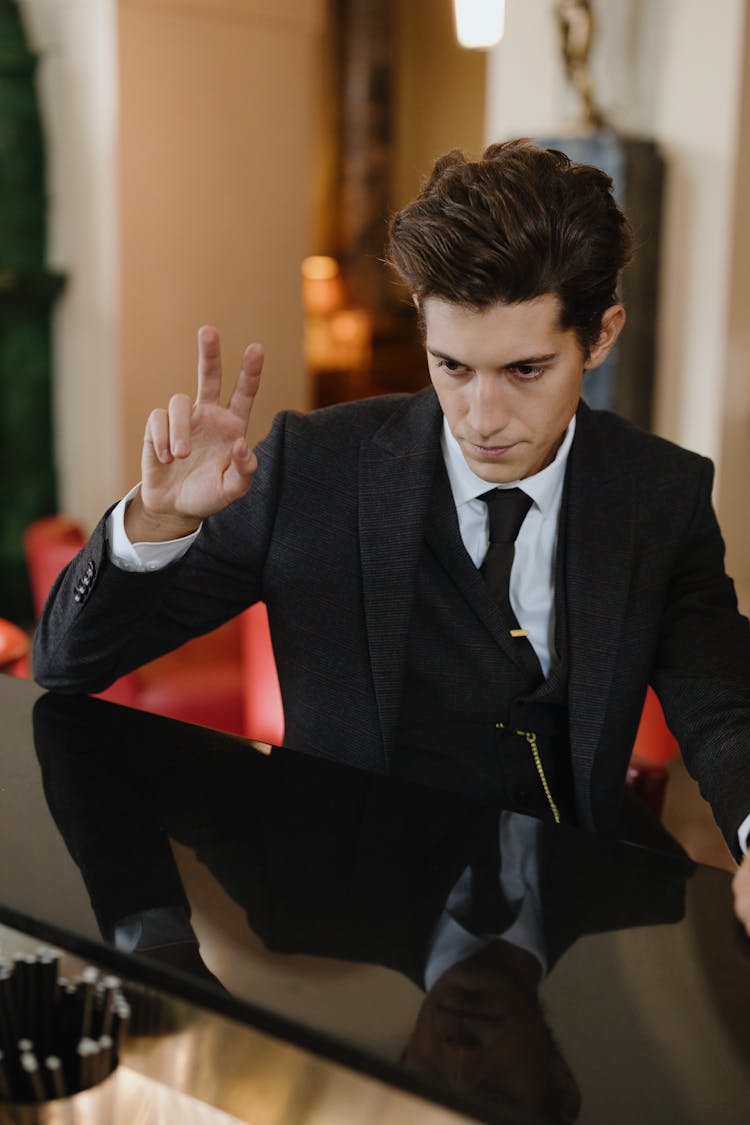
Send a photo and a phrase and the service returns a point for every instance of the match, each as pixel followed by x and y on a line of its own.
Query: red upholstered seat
pixel 49 544
pixel 654 741
pixel 655 746
pixel 14 649
pixel 264 713
pixel 201 682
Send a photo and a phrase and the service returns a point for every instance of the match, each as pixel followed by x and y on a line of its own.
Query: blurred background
pixel 199 151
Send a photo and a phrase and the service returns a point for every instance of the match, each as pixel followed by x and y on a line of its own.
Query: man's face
pixel 508 379
pixel 481 1028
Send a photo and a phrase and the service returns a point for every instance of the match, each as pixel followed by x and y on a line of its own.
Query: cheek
pixel 450 400
pixel 553 412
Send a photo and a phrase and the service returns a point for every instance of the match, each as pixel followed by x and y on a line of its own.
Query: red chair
pixel 14 649
pixel 654 741
pixel 200 682
pixel 655 746
pixel 264 712
pixel 49 544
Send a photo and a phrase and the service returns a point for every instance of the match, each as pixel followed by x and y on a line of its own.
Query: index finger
pixel 209 365
pixel 248 381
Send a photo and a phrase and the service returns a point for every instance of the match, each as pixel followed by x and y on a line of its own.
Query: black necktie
pixel 507 509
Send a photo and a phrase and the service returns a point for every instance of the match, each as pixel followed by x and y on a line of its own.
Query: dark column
pixel 27 291
pixel 366 157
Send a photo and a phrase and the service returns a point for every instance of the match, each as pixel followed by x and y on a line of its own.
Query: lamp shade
pixel 479 23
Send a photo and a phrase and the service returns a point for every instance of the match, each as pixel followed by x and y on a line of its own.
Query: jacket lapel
pixel 396 471
pixel 598 565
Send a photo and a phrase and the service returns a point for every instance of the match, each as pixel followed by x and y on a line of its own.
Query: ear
pixel 613 321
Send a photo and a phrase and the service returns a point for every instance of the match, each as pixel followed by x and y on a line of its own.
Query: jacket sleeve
pixel 702 668
pixel 101 621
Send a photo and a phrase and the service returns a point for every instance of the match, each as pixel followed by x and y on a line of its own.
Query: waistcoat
pixel 472 718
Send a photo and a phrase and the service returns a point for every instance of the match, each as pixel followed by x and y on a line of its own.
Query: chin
pixel 497 474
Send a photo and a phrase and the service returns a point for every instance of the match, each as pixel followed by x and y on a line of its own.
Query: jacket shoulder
pixel 638 451
pixel 347 425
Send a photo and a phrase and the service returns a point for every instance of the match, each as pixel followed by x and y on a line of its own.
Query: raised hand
pixel 195 458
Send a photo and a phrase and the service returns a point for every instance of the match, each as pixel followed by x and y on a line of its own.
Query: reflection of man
pixel 473 904
pixel 481 1025
pixel 366 526
pixel 481 1028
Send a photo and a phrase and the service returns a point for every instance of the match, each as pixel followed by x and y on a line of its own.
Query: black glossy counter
pixel 400 938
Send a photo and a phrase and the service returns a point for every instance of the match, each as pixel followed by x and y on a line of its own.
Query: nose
pixel 489 409
pixel 461 1035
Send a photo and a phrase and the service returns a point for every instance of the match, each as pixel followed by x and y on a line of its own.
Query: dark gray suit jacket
pixel 329 537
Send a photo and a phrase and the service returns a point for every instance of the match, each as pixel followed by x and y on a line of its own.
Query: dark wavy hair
pixel 520 222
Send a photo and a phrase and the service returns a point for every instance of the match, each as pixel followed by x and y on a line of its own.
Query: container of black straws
pixel 59 1041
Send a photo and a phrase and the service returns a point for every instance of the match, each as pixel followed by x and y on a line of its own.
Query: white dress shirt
pixel 532 576
pixel 141 557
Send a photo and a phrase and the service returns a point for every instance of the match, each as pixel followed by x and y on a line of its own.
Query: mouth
pixel 489 452
pixel 472 1015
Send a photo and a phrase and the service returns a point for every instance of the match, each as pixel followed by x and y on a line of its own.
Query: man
pixel 400 644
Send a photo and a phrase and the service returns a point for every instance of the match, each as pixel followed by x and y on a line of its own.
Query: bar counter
pixel 302 942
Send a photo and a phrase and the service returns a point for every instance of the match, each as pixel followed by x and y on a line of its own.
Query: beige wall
pixel 439 92
pixel 189 165
pixel 216 121
pixel 734 502
pixel 181 155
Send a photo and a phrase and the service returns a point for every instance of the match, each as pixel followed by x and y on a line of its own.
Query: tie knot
pixel 507 508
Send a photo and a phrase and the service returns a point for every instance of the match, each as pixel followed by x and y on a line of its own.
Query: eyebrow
pixel 531 361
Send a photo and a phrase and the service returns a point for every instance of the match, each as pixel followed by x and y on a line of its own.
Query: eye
pixel 528 372
pixel 451 366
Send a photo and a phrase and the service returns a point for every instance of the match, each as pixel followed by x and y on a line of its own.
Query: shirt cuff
pixel 160 925
pixel 743 832
pixel 141 557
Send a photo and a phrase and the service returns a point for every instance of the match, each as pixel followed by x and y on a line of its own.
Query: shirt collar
pixel 543 487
